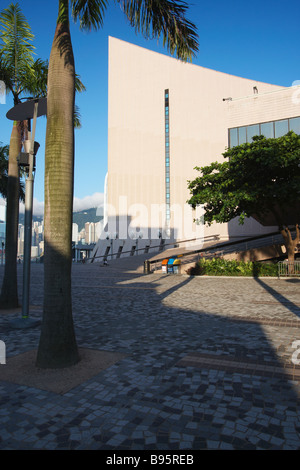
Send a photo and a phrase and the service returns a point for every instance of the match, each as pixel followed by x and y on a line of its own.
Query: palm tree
pixel 16 70
pixel 4 154
pixel 153 18
pixel 21 75
pixel 3 169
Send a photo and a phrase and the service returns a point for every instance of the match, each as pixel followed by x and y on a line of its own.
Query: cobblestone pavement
pixel 209 365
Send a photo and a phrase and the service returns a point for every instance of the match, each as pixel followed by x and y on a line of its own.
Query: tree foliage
pixel 260 179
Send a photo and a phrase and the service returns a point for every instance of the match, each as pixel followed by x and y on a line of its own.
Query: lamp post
pixel 26 111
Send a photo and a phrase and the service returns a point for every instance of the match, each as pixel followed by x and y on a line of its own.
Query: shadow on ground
pixel 199 369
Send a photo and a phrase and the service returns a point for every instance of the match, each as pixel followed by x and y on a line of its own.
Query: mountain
pixel 35 218
pixel 80 218
pixel 87 215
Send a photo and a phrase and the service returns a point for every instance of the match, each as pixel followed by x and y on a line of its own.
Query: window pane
pixel 267 130
pixel 252 131
pixel 295 125
pixel 233 137
pixel 242 135
pixel 281 128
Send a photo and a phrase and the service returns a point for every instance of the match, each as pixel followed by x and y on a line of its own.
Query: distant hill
pixel 80 218
pixel 35 218
pixel 88 215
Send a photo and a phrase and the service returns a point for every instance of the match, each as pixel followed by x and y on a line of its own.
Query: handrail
pixel 161 245
pixel 241 239
pixel 147 263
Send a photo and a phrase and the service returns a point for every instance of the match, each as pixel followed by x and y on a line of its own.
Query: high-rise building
pixel 74 232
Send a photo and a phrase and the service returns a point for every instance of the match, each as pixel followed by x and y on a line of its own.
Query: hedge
pixel 223 267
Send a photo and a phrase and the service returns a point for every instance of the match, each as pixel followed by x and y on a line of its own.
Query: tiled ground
pixel 208 366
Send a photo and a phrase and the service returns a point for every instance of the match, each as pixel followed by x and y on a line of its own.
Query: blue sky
pixel 257 40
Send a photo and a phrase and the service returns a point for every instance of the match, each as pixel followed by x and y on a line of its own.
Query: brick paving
pixel 207 365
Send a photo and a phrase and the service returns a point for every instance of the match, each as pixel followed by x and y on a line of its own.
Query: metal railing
pixel 288 268
pixel 221 249
pixel 146 249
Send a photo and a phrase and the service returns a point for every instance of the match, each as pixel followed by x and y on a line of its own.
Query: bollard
pixel 146 267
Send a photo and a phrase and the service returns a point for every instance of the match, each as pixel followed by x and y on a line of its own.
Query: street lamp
pixel 31 109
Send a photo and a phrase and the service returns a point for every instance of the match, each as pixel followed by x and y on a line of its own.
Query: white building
pixel 166 117
pixel 74 232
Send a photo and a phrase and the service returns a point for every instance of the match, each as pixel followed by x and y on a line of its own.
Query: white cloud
pixel 88 202
pixel 38 207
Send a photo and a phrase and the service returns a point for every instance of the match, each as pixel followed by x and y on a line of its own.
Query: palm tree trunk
pixel 9 292
pixel 57 346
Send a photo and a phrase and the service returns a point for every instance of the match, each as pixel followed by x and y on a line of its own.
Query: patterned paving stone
pixel 207 365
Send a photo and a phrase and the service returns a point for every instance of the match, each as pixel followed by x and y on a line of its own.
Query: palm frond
pixel 35 84
pixel 166 18
pixel 16 44
pixel 5 74
pixel 79 86
pixel 89 12
pixel 77 118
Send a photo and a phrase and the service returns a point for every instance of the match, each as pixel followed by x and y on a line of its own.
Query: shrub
pixel 223 267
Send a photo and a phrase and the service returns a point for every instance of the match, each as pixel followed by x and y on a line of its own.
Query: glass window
pixel 242 135
pixel 295 125
pixel 281 128
pixel 267 130
pixel 233 137
pixel 252 131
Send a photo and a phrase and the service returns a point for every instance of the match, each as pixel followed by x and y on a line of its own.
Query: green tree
pixel 155 18
pixel 18 70
pixel 259 179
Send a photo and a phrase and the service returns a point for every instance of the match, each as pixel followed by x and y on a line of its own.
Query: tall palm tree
pixel 4 154
pixel 153 18
pixel 3 169
pixel 21 75
pixel 16 70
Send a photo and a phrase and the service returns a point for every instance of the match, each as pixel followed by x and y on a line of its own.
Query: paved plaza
pixel 206 363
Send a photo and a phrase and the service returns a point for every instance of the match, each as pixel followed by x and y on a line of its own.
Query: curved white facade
pixel 203 105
